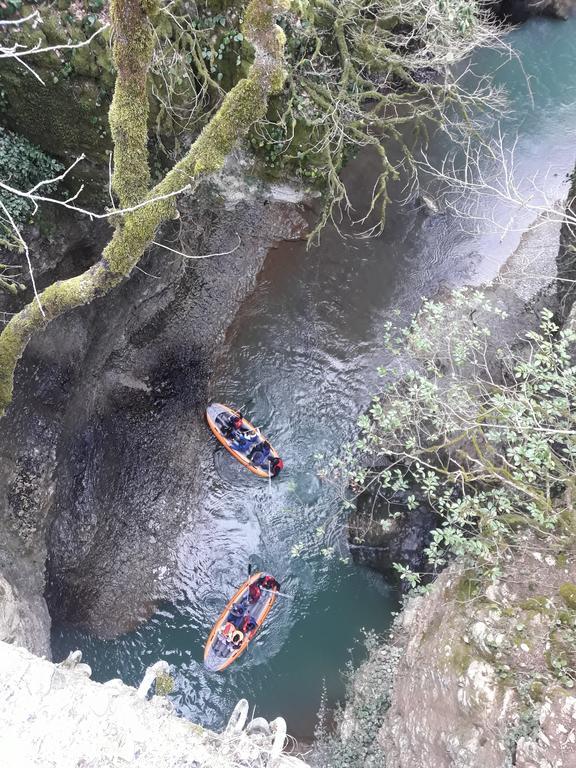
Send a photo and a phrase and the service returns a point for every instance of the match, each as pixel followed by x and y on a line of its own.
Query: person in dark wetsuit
pixel 236 615
pixel 248 624
pixel 234 426
pixel 276 464
pixel 240 435
pixel 260 453
pixel 254 592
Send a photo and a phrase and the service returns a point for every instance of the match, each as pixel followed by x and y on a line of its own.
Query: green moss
pixel 132 50
pixel 68 126
pixel 568 594
pixel 259 17
pixel 151 8
pixel 537 691
pixel 11 349
pixel 53 30
pixel 164 685
pixel 460 658
pixel 128 119
pixel 82 61
pixel 245 103
pixel 537 603
pixel 277 80
pixel 467 587
pixel 567 520
pixel 72 104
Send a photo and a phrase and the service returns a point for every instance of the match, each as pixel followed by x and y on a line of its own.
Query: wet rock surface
pixel 378 539
pixel 109 403
pixel 27 465
pixel 24 618
pixel 516 11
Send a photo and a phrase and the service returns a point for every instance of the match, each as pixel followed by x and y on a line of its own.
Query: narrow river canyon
pixel 300 359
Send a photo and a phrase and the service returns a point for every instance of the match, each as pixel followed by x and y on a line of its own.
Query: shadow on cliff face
pixel 107 418
pixel 383 532
pixel 124 467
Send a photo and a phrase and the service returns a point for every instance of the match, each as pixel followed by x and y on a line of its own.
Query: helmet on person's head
pixel 276 464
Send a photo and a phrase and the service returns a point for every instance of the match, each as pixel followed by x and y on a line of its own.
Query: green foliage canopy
pixel 484 431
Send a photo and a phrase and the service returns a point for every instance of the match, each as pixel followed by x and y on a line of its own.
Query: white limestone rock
pixel 54 716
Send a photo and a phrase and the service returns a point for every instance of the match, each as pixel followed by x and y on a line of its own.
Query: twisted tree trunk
pixel 242 106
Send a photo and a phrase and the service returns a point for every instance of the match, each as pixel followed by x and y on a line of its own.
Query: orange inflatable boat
pixel 226 642
pixel 218 417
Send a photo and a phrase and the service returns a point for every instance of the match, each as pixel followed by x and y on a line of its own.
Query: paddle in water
pixel 280 594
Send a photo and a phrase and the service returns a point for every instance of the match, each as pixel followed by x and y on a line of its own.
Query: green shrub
pixel 348 738
pixel 22 166
pixel 479 428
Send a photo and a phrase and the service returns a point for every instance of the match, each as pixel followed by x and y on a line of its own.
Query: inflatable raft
pixel 226 642
pixel 218 417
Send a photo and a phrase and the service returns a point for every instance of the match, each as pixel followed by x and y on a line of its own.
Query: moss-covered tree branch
pixel 132 47
pixel 244 104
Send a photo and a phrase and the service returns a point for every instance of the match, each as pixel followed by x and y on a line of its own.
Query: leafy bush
pixel 22 165
pixel 483 430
